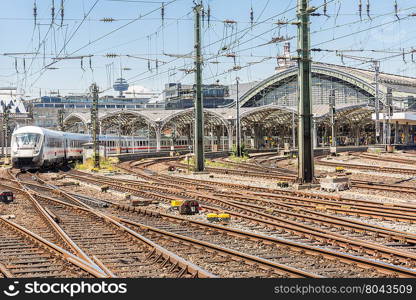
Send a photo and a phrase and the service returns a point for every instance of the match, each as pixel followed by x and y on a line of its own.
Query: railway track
pixel 377 157
pixel 313 259
pixel 335 204
pixel 217 260
pixel 36 218
pixel 299 229
pixel 354 183
pixel 365 184
pixel 25 254
pixel 307 258
pixel 242 172
pixel 117 250
pixel 135 247
pixel 367 168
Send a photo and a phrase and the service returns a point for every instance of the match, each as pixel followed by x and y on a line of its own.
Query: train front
pixel 26 148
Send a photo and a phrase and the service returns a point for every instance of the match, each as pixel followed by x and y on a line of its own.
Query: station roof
pixel 361 79
pixel 400 117
pixel 268 115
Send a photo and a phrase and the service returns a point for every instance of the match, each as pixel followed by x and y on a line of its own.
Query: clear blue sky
pixel 147 38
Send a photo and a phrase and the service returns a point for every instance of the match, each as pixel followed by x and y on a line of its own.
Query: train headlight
pixel 36 152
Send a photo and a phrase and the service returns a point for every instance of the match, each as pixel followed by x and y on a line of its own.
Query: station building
pixel 181 96
pixel 268 110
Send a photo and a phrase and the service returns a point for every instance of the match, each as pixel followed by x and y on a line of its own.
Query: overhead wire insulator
pixel 162 12
pixel 202 12
pixel 53 12
pixel 412 55
pixel 325 8
pixel 251 16
pixel 107 20
pixel 281 22
pixel 396 10
pixel 368 9
pixel 62 12
pixel 90 62
pixel 35 12
pixel 360 9
pixel 24 65
pixel 148 65
pixel 209 14
pixel 111 55
pixel 404 56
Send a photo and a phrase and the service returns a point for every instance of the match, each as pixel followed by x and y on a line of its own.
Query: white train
pixel 34 147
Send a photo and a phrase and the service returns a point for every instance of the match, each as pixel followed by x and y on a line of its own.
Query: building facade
pixel 181 96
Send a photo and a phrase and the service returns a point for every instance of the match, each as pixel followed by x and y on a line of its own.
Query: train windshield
pixel 27 139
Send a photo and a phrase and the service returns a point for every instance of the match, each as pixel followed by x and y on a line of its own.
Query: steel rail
pixel 361 261
pixel 60 252
pixel 186 266
pixel 244 212
pixel 58 230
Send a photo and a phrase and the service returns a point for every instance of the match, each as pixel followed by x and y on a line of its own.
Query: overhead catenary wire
pixel 240 50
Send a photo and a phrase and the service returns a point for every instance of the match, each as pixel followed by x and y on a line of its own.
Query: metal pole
pixel 94 119
pixel 61 119
pixel 396 132
pixel 6 133
pixel 293 131
pixel 132 138
pixel 305 157
pixel 5 129
pixel 148 137
pixel 376 100
pixel 332 113
pixel 199 116
pixel 119 134
pixel 3 146
pixel 388 114
pixel 238 129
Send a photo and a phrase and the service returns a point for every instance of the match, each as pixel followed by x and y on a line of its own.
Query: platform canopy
pixel 76 122
pixel 268 116
pixel 125 121
pixel 402 118
pixel 359 114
